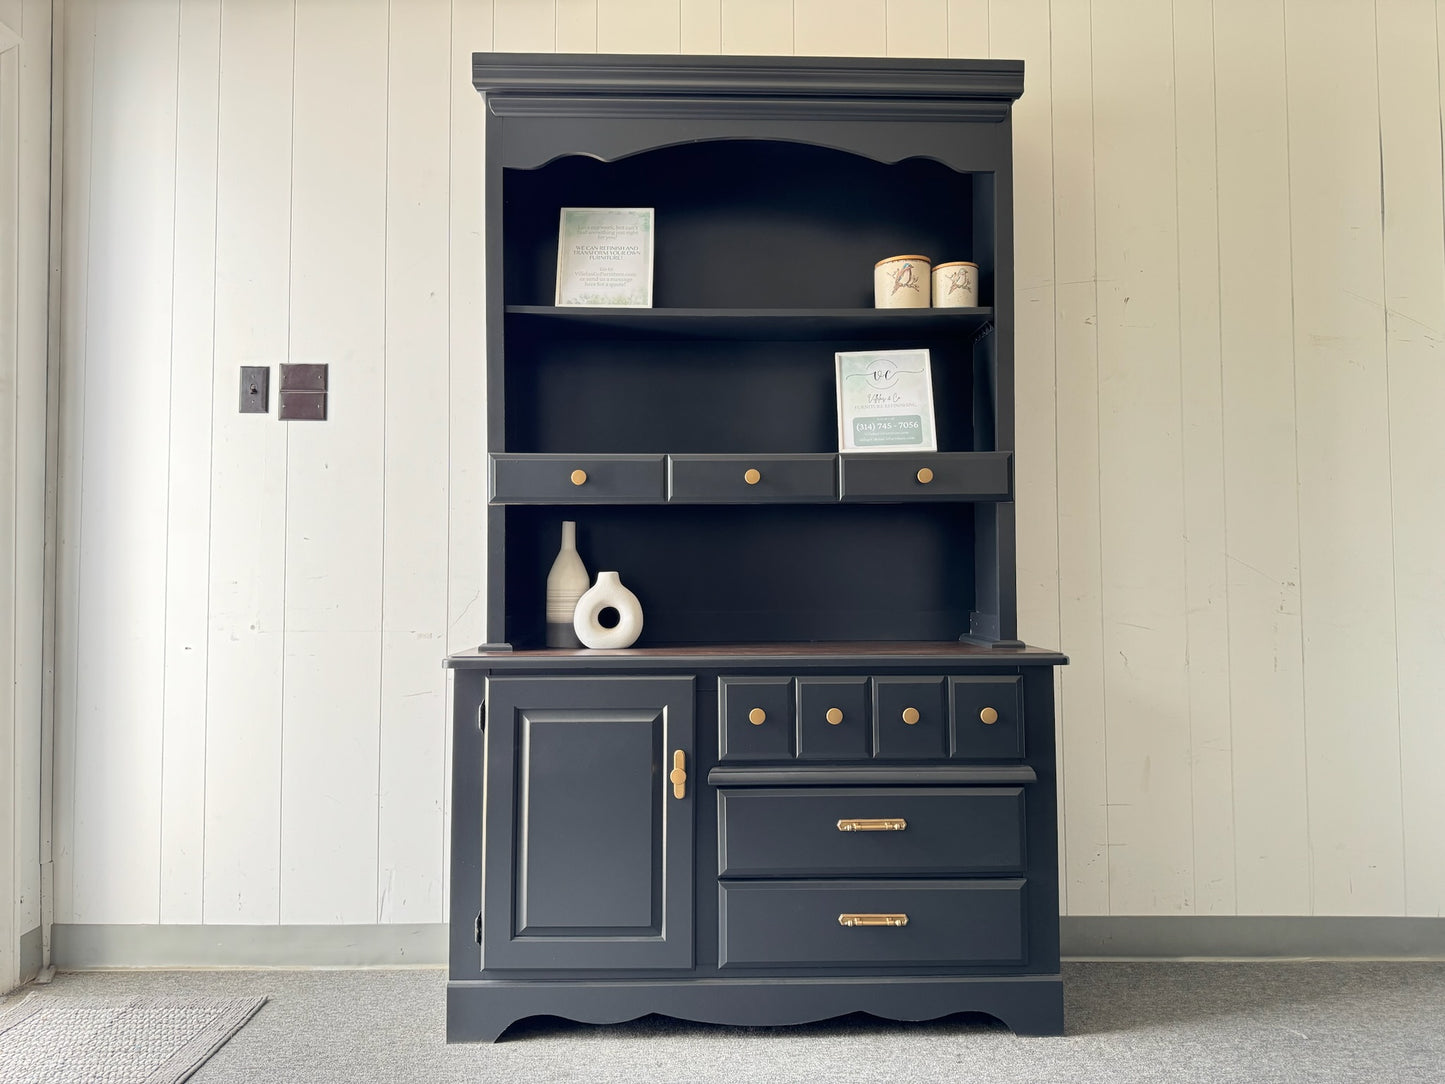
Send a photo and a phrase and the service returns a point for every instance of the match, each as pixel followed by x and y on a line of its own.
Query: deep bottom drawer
pixel 773 923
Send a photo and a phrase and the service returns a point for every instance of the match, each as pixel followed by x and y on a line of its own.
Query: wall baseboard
pixel 79 947
pixel 1250 937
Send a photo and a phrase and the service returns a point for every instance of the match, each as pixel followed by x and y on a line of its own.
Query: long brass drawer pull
pixel 678 776
pixel 874 824
pixel 872 920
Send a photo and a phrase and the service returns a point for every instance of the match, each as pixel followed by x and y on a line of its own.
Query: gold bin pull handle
pixel 678 776
pixel 872 920
pixel 874 824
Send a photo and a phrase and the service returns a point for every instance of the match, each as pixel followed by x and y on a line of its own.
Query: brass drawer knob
pixel 910 715
pixel 751 476
pixel 989 716
pixel 757 716
pixel 834 716
pixel 872 920
pixel 925 475
pixel 579 477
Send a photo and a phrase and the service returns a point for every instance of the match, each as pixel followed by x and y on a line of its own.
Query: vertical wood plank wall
pixel 24 284
pixel 1231 295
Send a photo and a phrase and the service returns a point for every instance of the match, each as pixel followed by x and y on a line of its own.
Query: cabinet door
pixel 588 849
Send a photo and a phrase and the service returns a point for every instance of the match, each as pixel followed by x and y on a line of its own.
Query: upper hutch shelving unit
pixel 777 184
pixel 828 639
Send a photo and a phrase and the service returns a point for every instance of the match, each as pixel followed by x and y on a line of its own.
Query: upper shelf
pixel 759 325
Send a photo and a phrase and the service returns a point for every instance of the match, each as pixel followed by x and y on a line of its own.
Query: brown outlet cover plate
pixel 303 393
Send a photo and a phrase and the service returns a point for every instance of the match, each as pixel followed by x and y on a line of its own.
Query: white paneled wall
pixel 1231 288
pixel 25 53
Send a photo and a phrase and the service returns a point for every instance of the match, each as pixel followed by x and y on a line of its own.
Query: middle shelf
pixel 561 478
pixel 750 324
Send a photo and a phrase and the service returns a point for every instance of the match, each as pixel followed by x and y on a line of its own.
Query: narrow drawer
pixel 910 718
pixel 987 718
pixel 756 718
pixel 832 718
pixel 864 832
pixel 749 479
pixel 578 479
pixel 948 923
pixel 951 476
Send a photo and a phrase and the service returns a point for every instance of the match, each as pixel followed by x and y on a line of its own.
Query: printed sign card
pixel 604 257
pixel 885 401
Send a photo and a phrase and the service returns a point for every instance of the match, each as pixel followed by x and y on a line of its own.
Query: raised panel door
pixel 588 845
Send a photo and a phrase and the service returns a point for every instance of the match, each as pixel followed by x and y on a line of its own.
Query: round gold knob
pixel 751 476
pixel 578 477
pixel 989 716
pixel 756 716
pixel 910 715
pixel 834 716
pixel 925 475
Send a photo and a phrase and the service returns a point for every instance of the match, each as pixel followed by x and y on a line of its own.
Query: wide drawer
pixel 577 479
pixel 945 923
pixel 747 479
pixel 978 476
pixel 860 832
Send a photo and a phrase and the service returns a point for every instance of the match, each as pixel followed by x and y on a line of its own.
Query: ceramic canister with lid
pixel 901 282
pixel 955 285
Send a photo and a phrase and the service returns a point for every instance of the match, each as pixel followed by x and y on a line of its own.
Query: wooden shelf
pixel 756 325
pixel 773 656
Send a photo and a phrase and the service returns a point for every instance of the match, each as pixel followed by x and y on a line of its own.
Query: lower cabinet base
pixel 480 1010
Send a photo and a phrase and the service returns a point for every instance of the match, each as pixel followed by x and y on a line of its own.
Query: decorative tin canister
pixel 901 282
pixel 955 285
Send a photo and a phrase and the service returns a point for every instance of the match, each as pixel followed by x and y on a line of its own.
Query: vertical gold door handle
pixel 678 776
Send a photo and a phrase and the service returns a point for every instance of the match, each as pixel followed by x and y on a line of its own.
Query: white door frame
pixel 9 519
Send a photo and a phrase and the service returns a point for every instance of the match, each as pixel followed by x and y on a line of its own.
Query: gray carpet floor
pixel 1175 1022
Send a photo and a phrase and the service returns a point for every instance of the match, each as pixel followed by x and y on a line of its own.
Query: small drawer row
pixel 547 478
pixel 893 718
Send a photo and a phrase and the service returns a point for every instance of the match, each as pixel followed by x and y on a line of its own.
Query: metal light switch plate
pixel 255 389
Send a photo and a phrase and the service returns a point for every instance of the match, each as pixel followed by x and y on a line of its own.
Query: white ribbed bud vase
pixel 608 592
pixel 566 583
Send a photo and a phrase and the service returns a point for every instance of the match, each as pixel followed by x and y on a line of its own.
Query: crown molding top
pixel 561 81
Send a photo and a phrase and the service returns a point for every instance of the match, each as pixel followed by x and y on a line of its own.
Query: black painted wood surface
pixel 581 884
pixel 794 832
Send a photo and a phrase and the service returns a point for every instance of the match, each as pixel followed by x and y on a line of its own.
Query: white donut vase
pixel 608 592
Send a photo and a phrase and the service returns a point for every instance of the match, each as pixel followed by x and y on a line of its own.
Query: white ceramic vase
pixel 608 592
pixel 566 583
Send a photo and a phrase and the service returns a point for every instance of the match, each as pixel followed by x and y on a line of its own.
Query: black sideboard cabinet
pixel 823 780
